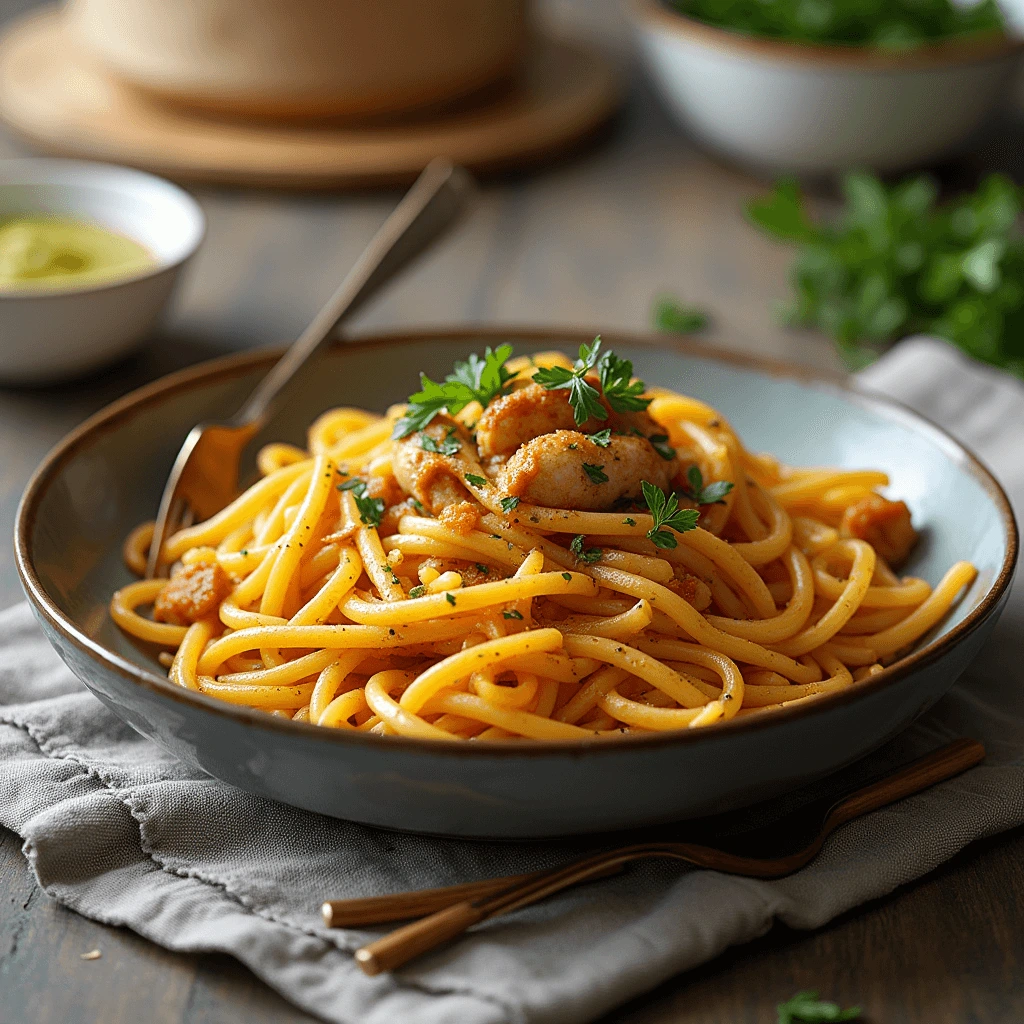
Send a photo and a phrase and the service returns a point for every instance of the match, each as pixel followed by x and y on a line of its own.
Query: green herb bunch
pixel 896 262
pixel 886 24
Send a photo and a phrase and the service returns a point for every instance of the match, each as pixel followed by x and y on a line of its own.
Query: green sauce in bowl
pixel 58 254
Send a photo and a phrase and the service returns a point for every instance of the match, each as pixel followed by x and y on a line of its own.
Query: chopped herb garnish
pixel 450 598
pixel 602 438
pixel 573 446
pixel 567 576
pixel 485 569
pixel 808 1008
pixel 475 380
pixel 418 505
pixel 596 473
pixel 628 522
pixel 509 504
pixel 586 555
pixel 659 442
pixel 513 614
pixel 476 481
pixel 370 509
pixel 418 591
pixel 622 392
pixel 667 516
pixel 449 446
pixel 243 552
pixel 713 494
pixel 583 397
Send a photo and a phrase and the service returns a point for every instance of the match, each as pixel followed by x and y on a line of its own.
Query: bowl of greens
pixel 816 86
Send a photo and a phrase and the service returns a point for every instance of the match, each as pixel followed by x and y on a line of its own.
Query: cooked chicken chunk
pixel 565 469
pixel 884 524
pixel 432 477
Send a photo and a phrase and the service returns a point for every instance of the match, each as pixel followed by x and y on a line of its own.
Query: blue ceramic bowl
pixel 107 476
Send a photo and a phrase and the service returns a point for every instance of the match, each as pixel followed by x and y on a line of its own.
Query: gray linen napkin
pixel 117 830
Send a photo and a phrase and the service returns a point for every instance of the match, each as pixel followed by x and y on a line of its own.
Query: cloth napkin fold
pixel 119 831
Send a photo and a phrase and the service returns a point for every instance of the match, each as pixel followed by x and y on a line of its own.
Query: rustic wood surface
pixel 590 241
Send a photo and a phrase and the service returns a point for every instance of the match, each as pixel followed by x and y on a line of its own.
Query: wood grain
pixel 590 241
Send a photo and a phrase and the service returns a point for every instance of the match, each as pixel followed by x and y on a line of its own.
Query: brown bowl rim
pixel 973 49
pixel 223 368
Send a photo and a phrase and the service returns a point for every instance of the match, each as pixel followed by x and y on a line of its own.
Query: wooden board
pixel 54 97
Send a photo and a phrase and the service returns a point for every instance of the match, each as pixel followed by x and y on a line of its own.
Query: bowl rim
pixel 224 368
pixel 78 174
pixel 951 52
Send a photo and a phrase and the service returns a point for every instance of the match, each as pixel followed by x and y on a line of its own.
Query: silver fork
pixel 204 478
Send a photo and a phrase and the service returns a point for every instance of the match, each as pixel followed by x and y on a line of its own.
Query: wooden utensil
pixel 204 477
pixel 453 909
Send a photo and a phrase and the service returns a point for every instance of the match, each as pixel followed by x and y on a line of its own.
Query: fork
pixel 205 475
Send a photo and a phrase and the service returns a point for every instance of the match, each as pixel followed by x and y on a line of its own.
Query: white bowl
pixel 780 106
pixel 52 335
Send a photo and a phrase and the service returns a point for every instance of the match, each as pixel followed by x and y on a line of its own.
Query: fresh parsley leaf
pixel 513 614
pixel 476 481
pixel 418 591
pixel 583 397
pixel 450 445
pixel 596 473
pixel 450 598
pixel 602 438
pixel 567 576
pixel 808 1008
pixel 509 504
pixel 370 509
pixel 895 262
pixel 586 555
pixel 484 569
pixel 673 317
pixel 476 379
pixel 621 391
pixel 713 494
pixel 418 505
pixel 667 515
pixel 659 442
pixel 629 522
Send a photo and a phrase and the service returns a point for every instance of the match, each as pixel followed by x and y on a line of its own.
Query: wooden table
pixel 591 241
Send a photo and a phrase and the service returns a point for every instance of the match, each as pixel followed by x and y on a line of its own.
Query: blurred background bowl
pixel 774 105
pixel 58 334
pixel 304 58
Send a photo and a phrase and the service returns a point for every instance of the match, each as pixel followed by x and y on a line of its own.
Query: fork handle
pixel 427 210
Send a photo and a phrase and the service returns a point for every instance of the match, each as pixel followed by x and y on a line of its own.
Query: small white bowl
pixel 808 109
pixel 53 335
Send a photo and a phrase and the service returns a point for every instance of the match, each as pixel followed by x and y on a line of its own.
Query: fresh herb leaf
pixel 418 591
pixel 484 569
pixel 567 576
pixel 622 392
pixel 583 397
pixel 354 484
pixel 476 481
pixel 659 442
pixel 371 510
pixel 450 598
pixel 448 446
pixel 513 614
pixel 586 555
pixel 509 504
pixel 629 522
pixel 673 317
pixel 596 473
pixel 895 263
pixel 667 515
pixel 475 380
pixel 713 494
pixel 808 1008
pixel 602 438
pixel 418 505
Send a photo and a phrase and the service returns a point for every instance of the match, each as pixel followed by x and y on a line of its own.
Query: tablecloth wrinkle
pixel 119 831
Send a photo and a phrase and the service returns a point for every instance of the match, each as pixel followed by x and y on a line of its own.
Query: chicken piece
pixel 512 420
pixel 461 518
pixel 430 477
pixel 551 471
pixel 193 593
pixel 884 524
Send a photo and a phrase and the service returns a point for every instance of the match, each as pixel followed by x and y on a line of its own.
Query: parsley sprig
pixel 588 556
pixel 370 509
pixel 602 438
pixel 808 1008
pixel 474 380
pixel 667 515
pixel 448 445
pixel 713 494
pixel 623 393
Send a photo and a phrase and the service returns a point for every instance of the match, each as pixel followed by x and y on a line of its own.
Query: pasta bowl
pixel 106 477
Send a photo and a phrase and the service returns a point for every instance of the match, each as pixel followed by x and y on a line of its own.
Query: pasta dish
pixel 534 548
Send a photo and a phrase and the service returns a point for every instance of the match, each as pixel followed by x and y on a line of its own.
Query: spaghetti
pixel 543 551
